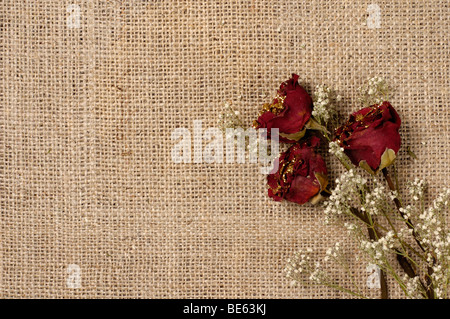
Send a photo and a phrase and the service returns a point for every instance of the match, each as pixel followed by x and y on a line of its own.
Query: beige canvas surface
pixel 88 107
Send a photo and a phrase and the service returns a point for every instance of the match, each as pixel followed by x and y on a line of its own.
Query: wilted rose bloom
pixel 301 175
pixel 370 137
pixel 289 111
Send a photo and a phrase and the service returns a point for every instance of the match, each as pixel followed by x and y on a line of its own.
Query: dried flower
pixel 370 137
pixel 290 111
pixel 301 174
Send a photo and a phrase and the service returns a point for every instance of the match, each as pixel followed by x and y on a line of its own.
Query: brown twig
pixel 407 267
pixel 429 287
pixel 383 282
pixel 388 179
pixel 373 235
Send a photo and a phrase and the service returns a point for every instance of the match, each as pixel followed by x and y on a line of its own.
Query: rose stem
pixel 383 282
pixel 404 263
pixel 387 177
pixel 373 234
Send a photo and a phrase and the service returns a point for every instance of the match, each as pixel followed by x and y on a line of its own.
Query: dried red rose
pixel 370 137
pixel 301 175
pixel 289 111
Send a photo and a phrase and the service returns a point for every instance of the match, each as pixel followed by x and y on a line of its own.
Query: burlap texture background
pixel 86 118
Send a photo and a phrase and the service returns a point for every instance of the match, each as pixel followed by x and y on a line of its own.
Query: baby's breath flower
pixel 374 92
pixel 336 150
pixel 375 200
pixel 323 107
pixel 229 118
pixel 413 287
pixel 416 189
pixel 345 195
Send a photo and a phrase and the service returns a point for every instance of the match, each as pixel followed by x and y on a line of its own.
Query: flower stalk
pixel 429 282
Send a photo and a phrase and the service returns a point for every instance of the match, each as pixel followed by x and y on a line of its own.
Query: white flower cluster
pixel 377 200
pixel 433 233
pixel 304 269
pixel 413 287
pixel 323 107
pixel 344 196
pixel 350 226
pixel 431 223
pixel 377 250
pixel 336 150
pixel 333 252
pixel 301 265
pixel 407 211
pixel 229 118
pixel 416 189
pixel 374 92
pixel 430 229
pixel 441 279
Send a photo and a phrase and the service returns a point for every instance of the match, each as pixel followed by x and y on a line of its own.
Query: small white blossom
pixel 323 107
pixel 229 118
pixel 374 92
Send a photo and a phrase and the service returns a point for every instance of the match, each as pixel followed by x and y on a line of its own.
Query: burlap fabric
pixel 87 111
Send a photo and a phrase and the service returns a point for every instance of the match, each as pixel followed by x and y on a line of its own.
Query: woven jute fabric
pixel 91 92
